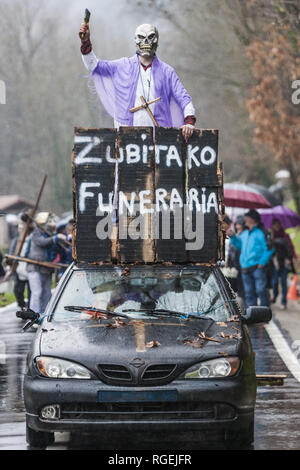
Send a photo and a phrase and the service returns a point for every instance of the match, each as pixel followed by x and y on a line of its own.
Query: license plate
pixel 137 396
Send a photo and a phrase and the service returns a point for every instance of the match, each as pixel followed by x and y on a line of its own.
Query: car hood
pixel 155 340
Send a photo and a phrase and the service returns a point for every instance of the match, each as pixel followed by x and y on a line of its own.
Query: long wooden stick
pixel 46 264
pixel 25 231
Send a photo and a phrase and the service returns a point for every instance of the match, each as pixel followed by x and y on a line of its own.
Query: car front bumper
pixel 195 405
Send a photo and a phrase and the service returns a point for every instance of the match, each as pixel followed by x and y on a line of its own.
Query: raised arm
pixel 106 68
pixel 88 56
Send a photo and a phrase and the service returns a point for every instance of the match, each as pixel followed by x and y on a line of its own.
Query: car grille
pixel 160 411
pixel 155 374
pixel 115 372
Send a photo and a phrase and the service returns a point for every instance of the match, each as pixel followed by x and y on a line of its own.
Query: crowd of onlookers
pixel 44 242
pixel 257 259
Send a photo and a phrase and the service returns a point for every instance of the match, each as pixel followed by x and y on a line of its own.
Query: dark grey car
pixel 142 348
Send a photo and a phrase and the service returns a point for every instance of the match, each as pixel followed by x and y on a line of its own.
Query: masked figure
pixel 121 83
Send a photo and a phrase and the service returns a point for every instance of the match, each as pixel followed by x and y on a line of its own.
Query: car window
pixel 188 291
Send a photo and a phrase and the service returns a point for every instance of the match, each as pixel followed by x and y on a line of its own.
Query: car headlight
pixel 222 367
pixel 56 368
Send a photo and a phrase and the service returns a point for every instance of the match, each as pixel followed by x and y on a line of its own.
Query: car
pixel 142 347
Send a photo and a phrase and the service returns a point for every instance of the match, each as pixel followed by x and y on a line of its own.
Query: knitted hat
pixel 254 215
pixel 240 220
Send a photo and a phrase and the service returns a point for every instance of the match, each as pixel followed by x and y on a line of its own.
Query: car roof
pixel 78 266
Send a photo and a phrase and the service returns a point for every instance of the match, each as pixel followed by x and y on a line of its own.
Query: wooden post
pixel 46 264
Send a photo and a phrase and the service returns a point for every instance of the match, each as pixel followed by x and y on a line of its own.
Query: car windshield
pixel 142 291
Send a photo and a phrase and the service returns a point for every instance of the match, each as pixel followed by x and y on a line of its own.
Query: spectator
pixel 233 260
pixel 2 270
pixel 65 254
pixel 282 261
pixel 254 256
pixel 69 232
pixel 43 247
pixel 20 274
pixel 226 226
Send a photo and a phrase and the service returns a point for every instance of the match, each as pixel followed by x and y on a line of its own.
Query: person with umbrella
pixel 282 261
pixel 233 258
pixel 254 257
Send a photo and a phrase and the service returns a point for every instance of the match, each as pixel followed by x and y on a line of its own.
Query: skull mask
pixel 146 40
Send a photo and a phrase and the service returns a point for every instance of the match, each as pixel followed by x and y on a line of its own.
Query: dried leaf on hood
pixel 119 322
pixel 152 344
pixel 225 335
pixel 233 318
pixel 222 323
pixel 194 343
pixel 232 336
pixel 225 354
pixel 202 335
pixel 94 315
pixel 125 272
pixel 235 328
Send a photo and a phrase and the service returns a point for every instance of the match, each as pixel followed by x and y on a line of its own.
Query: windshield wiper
pixel 79 309
pixel 161 311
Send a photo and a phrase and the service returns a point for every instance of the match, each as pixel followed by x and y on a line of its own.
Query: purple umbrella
pixel 287 217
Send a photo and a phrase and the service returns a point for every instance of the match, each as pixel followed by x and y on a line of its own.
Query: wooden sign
pixel 143 200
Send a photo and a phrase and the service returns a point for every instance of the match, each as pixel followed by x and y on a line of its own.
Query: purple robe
pixel 116 82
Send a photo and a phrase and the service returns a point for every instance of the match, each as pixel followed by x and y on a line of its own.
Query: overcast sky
pixel 112 23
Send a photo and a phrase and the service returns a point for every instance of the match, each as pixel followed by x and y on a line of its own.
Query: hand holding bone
pixel 84 32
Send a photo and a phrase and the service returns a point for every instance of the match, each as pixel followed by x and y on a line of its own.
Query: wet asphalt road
pixel 277 425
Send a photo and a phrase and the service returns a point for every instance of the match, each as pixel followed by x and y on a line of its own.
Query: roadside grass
pixel 7 298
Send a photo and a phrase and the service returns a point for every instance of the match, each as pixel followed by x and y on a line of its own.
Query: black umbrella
pixel 270 197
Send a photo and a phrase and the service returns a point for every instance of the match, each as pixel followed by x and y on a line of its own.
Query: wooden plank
pixel 273 380
pixel 170 181
pixel 202 155
pixel 47 264
pixel 136 185
pixel 93 181
pixel 202 182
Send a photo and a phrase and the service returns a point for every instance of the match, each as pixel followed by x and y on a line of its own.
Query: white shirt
pixel 145 88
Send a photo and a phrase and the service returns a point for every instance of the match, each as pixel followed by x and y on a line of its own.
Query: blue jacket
pixel 253 247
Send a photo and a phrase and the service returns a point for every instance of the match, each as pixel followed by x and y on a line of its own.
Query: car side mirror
pixel 256 314
pixel 29 315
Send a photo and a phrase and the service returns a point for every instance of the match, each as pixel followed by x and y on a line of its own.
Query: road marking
pixel 2 352
pixel 283 349
pixel 4 357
